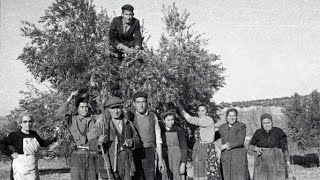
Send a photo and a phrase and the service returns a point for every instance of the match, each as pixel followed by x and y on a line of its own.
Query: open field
pixel 57 169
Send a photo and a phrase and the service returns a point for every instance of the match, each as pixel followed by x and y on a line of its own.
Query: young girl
pixel 174 148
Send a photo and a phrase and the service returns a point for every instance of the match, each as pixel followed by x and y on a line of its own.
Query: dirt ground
pixel 57 169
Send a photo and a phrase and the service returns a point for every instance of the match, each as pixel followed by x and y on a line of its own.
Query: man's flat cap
pixel 139 94
pixel 114 101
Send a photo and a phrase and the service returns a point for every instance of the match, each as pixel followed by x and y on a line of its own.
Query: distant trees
pixel 303 113
pixel 70 50
pixel 280 102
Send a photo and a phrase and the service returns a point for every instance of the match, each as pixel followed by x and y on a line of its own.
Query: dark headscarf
pixel 265 116
pixel 232 110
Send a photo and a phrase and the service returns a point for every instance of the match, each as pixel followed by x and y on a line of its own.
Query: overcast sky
pixel 269 48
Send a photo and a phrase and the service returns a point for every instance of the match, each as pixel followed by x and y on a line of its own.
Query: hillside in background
pixel 250 112
pixel 279 102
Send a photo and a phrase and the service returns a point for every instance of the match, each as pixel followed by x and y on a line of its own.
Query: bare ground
pixel 57 169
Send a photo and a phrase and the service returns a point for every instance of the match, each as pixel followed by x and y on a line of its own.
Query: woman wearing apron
pixel 26 144
pixel 174 148
pixel 204 157
pixel 270 144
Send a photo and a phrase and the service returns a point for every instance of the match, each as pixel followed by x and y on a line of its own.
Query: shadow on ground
pixel 54 171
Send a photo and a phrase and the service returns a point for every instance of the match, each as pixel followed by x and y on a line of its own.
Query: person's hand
pixel 137 47
pixel 258 150
pixel 100 121
pixel 128 143
pixel 14 155
pixel 127 50
pixel 72 95
pixel 102 139
pixel 228 146
pixel 225 146
pixel 182 169
pixel 160 165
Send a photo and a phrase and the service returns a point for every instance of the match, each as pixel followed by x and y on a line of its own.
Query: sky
pixel 269 48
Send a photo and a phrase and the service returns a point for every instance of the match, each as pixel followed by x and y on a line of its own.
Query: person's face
pixel 140 104
pixel 116 112
pixel 127 16
pixel 169 121
pixel 83 109
pixel 232 117
pixel 26 123
pixel 267 124
pixel 202 111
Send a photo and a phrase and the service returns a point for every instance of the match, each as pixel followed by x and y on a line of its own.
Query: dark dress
pixel 271 163
pixel 234 161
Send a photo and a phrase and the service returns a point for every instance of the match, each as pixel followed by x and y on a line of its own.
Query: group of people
pixel 123 145
pixel 119 144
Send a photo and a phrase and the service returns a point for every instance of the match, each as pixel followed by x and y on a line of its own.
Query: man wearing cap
pixel 85 135
pixel 121 139
pixel 148 128
pixel 125 32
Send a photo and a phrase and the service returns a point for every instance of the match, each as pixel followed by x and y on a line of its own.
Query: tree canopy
pixel 303 113
pixel 70 50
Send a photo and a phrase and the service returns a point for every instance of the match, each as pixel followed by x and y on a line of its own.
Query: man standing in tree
pixel 147 125
pixel 85 135
pixel 125 32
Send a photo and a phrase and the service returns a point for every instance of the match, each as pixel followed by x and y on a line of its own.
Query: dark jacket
pixel 131 38
pixel 234 161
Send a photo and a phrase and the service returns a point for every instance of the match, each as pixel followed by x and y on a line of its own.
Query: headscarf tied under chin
pixel 232 110
pixel 265 116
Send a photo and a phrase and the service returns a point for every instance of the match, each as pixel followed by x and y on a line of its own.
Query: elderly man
pixel 121 139
pixel 85 135
pixel 125 32
pixel 148 128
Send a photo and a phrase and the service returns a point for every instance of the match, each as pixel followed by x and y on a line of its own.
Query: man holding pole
pixel 121 139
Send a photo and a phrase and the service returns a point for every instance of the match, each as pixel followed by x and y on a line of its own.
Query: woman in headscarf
pixel 204 157
pixel 26 144
pixel 271 151
pixel 233 153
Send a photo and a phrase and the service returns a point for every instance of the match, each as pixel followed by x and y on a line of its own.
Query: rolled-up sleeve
pixel 158 131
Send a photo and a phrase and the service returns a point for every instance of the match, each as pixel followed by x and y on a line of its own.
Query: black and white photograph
pixel 160 90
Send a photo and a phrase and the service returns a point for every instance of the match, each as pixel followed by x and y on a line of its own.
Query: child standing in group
pixel 174 148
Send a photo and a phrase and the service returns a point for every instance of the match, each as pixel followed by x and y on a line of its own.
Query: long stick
pixel 104 155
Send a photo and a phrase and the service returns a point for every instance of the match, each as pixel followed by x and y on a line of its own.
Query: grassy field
pixel 57 169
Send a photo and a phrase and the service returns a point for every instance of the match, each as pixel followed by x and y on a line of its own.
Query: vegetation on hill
pixel 303 113
pixel 280 102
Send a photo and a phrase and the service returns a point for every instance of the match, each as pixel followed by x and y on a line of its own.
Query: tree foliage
pixel 70 49
pixel 303 113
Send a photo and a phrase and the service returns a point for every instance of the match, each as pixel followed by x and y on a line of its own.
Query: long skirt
pixel 205 162
pixel 270 165
pixel 25 167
